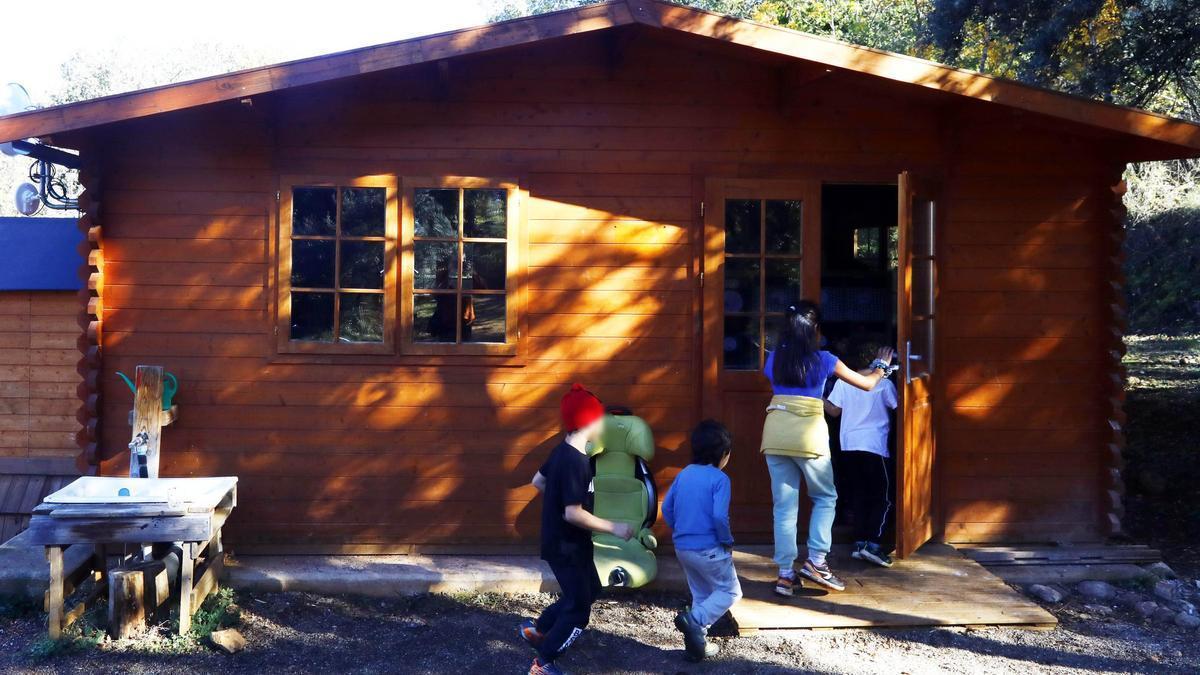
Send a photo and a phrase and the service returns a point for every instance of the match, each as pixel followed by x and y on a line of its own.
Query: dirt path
pixel 299 633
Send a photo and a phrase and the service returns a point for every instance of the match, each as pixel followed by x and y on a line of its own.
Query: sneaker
pixel 696 646
pixel 822 575
pixel 539 668
pixel 786 587
pixel 874 553
pixel 858 547
pixel 529 633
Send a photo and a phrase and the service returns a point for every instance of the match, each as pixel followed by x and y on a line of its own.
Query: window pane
pixel 483 266
pixel 922 287
pixel 314 211
pixel 741 284
pixel 923 221
pixel 435 213
pixel 488 324
pixel 312 263
pixel 784 218
pixel 741 343
pixel 742 218
pixel 773 324
pixel 485 213
pixel 867 249
pixel 312 317
pixel 364 211
pixel 362 264
pixel 435 264
pixel 783 284
pixel 434 317
pixel 361 317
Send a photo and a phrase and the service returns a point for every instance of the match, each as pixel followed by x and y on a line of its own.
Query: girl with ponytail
pixel 796 440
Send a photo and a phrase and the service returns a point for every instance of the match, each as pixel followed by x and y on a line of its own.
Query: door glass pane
pixel 923 224
pixel 312 263
pixel 361 317
pixel 922 346
pixel 362 264
pixel 741 343
pixel 742 223
pixel 741 284
pixel 314 211
pixel 485 213
pixel 435 264
pixel 784 218
pixel 434 317
pixel 489 317
pixel 435 213
pixel 922 286
pixel 773 323
pixel 484 266
pixel 364 211
pixel 312 317
pixel 783 284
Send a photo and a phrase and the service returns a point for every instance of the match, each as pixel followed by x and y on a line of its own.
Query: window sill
pixel 514 360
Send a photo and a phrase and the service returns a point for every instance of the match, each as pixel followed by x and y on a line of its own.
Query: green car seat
pixel 625 492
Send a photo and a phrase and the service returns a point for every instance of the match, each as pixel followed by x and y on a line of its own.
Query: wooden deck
pixel 936 586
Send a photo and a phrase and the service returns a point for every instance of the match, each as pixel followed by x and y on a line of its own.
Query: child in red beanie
pixel 567 526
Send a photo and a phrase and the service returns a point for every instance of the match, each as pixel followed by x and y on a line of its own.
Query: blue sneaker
pixel 874 553
pixel 529 633
pixel 858 547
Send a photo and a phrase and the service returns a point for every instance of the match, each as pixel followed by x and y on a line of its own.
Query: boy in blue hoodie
pixel 697 510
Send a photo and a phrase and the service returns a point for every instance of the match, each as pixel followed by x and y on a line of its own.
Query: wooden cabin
pixel 39 304
pixel 375 272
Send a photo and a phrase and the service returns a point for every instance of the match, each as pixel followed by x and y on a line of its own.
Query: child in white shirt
pixel 864 440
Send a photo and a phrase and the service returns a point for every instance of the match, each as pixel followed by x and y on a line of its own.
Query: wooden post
pixel 126 603
pixel 54 555
pixel 147 415
pixel 186 568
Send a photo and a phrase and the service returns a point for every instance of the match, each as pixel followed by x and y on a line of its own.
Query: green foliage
pixel 1163 254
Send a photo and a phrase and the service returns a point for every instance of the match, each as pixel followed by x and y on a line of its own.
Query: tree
pixel 88 75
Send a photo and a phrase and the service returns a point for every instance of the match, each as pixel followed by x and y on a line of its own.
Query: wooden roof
pixel 591 18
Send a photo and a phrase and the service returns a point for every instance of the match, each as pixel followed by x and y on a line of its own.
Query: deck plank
pixel 937 586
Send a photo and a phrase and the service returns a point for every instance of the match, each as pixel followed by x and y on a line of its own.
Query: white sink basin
pixel 115 490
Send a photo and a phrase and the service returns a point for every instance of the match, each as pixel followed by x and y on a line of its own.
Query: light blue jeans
pixel 712 580
pixel 817 474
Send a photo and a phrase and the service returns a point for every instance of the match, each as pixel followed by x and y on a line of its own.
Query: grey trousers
pixel 713 582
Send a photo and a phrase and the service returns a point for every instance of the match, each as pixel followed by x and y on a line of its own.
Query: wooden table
pixel 195 524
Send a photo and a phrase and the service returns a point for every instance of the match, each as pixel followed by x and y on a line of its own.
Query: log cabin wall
pixel 612 138
pixel 38 380
pixel 1025 335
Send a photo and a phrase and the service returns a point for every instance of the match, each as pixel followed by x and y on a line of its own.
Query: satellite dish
pixel 13 99
pixel 27 199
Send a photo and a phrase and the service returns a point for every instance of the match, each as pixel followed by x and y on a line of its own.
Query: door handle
pixel 909 357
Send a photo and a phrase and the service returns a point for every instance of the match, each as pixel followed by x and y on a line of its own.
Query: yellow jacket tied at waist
pixel 795 427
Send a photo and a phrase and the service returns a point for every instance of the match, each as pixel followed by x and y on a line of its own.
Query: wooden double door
pixel 761 253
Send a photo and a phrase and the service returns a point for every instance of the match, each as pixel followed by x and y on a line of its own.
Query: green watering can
pixel 170 386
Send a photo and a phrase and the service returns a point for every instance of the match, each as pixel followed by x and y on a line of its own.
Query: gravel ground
pixel 300 633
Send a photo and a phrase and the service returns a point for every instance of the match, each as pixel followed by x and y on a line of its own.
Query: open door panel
pixel 916 327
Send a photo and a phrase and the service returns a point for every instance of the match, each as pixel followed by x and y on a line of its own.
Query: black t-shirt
pixel 568 474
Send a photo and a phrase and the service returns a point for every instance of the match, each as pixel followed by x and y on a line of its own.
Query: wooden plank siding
pixel 611 146
pixel 1023 327
pixel 37 373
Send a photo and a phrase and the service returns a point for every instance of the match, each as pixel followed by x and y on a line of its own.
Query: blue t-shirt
pixel 815 387
pixel 697 508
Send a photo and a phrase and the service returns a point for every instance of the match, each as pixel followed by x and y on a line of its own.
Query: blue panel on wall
pixel 38 254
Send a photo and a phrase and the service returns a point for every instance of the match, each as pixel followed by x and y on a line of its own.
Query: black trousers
pixel 564 620
pixel 870 478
